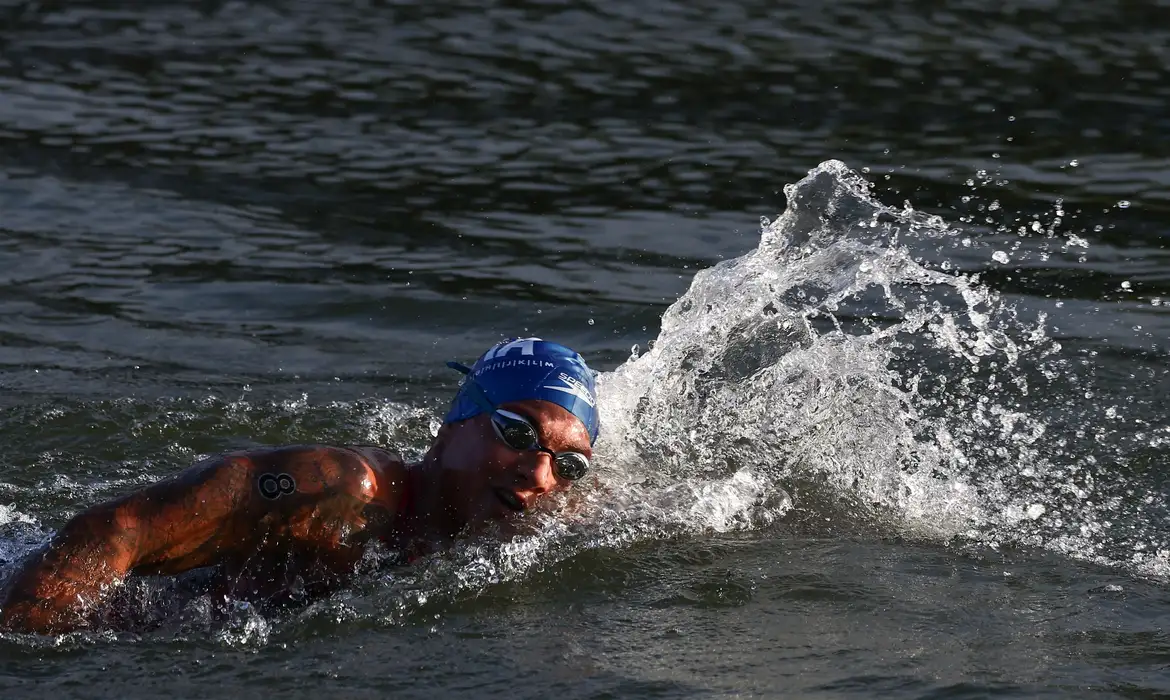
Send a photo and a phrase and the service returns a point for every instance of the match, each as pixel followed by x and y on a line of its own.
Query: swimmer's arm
pixel 58 587
pixel 199 518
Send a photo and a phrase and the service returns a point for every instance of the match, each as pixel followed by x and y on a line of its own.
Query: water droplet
pixel 591 322
pixel 1011 119
pixel 1074 163
pixel 1126 285
pixel 1123 204
pixel 1000 257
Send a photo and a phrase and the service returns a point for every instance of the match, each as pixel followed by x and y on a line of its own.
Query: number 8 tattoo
pixel 273 486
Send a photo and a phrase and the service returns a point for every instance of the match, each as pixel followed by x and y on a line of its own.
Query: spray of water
pixel 832 363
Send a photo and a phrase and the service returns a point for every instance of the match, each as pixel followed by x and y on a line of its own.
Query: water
pixel 905 438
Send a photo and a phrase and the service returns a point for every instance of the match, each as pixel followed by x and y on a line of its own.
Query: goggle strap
pixel 459 367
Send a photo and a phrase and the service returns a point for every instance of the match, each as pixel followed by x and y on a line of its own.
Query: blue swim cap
pixel 530 368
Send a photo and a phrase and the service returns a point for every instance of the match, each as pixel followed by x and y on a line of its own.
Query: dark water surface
pixel 237 223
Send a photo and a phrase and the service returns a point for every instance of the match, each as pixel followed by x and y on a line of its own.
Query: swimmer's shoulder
pixel 388 472
pixel 367 473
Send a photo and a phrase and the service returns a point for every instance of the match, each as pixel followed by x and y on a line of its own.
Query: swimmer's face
pixel 483 478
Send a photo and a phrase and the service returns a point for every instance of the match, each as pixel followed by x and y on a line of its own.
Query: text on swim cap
pixel 525 345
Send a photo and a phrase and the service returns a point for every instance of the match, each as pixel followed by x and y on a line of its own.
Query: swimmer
pixel 298 518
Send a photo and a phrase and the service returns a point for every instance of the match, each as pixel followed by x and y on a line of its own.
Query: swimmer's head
pixel 526 369
pixel 521 428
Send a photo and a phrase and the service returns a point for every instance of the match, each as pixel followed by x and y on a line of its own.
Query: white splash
pixel 831 363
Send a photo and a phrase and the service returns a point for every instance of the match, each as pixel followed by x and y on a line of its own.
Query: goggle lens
pixel 571 465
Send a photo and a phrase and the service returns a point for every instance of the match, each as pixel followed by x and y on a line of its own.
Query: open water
pixel 880 291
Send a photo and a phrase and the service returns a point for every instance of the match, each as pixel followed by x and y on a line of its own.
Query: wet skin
pixel 276 519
